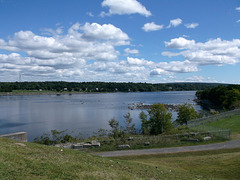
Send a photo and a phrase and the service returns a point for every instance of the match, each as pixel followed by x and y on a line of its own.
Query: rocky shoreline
pixel 170 107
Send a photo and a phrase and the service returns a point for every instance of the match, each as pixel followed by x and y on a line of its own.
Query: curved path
pixel 224 145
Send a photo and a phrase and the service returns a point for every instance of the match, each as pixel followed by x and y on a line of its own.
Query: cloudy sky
pixel 151 41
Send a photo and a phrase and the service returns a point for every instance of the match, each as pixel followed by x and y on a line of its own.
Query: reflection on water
pixel 84 113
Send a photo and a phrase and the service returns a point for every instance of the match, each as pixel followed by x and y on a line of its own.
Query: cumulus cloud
pixel 121 7
pixel 180 43
pixel 131 51
pixel 212 52
pixel 106 32
pixel 175 22
pixel 88 53
pixel 152 27
pixel 191 26
pixel 61 55
pixel 238 8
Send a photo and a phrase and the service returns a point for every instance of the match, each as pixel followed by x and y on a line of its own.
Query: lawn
pixel 35 161
pixel 215 164
pixel 232 123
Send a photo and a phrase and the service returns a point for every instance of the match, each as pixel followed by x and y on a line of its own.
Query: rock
pixel 124 146
pixel 207 138
pixel 87 145
pixel 97 144
pixel 20 144
pixel 77 146
pixel 67 146
pixel 130 139
pixel 146 143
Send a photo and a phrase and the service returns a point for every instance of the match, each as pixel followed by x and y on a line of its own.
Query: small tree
pixel 159 120
pixel 130 128
pixel 144 125
pixel 114 124
pixel 186 113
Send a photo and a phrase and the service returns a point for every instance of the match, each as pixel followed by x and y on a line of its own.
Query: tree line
pixel 221 97
pixel 102 86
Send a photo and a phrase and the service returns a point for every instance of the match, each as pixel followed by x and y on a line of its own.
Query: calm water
pixel 85 113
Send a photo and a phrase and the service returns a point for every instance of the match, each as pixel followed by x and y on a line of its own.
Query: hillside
pixel 34 161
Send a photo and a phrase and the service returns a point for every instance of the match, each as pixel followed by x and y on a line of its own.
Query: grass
pixel 216 164
pixel 232 123
pixel 35 161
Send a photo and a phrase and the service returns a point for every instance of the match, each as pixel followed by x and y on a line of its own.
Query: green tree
pixel 144 125
pixel 114 124
pixel 186 113
pixel 130 128
pixel 159 120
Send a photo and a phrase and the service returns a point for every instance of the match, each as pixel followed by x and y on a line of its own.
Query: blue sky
pixel 155 41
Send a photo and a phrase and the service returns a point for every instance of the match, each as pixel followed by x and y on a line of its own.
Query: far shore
pixel 26 93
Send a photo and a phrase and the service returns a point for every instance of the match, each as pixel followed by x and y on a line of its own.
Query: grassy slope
pixel 42 162
pixel 217 164
pixel 232 123
pixel 35 161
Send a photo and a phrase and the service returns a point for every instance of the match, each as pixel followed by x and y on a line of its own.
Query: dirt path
pixel 224 145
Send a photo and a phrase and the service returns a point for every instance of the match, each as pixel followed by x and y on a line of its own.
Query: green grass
pixel 232 123
pixel 215 164
pixel 36 161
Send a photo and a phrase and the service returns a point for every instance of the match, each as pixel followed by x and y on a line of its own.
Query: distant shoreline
pixel 42 93
pixel 29 93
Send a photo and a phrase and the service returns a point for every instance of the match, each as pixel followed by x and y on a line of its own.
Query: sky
pixel 153 41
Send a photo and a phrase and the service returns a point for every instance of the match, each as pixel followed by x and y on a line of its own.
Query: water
pixel 84 113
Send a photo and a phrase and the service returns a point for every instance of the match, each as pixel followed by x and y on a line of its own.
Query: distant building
pixel 65 89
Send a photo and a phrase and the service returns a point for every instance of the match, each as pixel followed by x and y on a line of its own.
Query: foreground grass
pixel 35 161
pixel 215 164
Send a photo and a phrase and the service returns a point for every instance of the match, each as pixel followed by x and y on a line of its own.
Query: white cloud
pixel 195 79
pixel 158 72
pixel 178 66
pixel 106 31
pixel 238 8
pixel 191 26
pixel 212 52
pixel 152 27
pixel 62 56
pixel 141 62
pixel 131 51
pixel 180 43
pixel 88 53
pixel 121 7
pixel 238 21
pixel 175 22
pixel 90 14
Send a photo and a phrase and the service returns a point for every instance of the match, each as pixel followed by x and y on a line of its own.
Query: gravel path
pixel 224 145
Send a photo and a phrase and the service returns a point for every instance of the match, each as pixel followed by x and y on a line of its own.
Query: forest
pixel 221 97
pixel 102 86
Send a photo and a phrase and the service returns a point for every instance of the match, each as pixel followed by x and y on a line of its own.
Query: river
pixel 79 113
